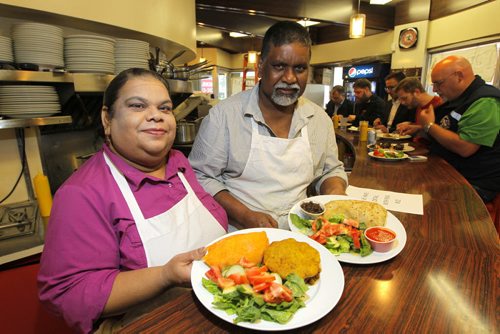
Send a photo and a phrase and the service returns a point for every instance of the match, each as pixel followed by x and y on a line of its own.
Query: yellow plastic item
pixel 43 194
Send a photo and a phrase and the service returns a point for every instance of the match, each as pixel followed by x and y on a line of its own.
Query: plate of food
pixel 403 147
pixel 260 279
pixel 341 228
pixel 393 136
pixel 387 155
pixel 353 128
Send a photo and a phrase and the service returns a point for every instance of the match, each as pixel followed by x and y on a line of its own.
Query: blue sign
pixel 364 71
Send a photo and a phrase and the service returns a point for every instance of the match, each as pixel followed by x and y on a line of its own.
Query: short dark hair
pixel 362 83
pixel 398 76
pixel 113 90
pixel 284 32
pixel 409 85
pixel 339 89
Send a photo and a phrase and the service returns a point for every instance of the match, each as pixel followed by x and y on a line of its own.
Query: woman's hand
pixel 178 269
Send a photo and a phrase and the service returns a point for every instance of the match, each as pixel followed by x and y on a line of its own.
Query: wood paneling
pixel 440 8
pixel 412 11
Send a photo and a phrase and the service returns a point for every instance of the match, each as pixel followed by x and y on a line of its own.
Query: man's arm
pixel 333 186
pixel 241 215
pixel 452 141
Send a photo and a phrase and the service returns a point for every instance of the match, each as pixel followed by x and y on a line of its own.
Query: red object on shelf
pixel 20 310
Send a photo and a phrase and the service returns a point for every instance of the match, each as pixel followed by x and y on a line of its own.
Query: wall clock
pixel 408 38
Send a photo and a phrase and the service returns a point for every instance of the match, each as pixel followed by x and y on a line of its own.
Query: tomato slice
pixel 261 278
pixel 239 278
pixel 355 238
pixel 278 293
pixel 213 274
pixel 261 287
pixel 224 282
pixel 246 264
pixel 255 271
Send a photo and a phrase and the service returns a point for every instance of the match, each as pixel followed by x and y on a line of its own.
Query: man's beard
pixel 285 100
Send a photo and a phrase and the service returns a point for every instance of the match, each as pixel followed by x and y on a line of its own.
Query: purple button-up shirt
pixel 92 235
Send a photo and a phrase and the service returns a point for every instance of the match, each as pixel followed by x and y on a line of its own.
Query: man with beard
pixel 369 107
pixel 412 94
pixel 258 151
pixel 467 129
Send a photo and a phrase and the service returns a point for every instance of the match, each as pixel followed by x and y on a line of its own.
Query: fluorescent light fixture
pixel 252 57
pixel 357 27
pixel 237 34
pixel 307 22
pixel 379 2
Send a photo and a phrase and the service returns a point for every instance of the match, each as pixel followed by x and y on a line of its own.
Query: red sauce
pixel 381 235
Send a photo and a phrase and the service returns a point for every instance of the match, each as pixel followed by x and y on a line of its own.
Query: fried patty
pixel 291 256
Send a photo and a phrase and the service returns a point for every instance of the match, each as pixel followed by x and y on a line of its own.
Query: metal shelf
pixel 41 121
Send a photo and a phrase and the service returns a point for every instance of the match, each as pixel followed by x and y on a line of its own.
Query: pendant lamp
pixel 357 24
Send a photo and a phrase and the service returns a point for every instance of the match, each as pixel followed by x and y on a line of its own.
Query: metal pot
pixel 186 131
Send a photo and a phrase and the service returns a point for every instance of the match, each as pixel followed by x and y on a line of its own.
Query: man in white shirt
pixel 258 151
pixel 396 112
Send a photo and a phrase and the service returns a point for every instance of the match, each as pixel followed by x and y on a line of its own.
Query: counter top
pixel 445 279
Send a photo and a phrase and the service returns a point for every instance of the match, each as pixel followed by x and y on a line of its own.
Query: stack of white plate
pixel 38 43
pixel 89 54
pixel 18 101
pixel 6 54
pixel 131 53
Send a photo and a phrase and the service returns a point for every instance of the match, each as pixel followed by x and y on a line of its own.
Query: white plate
pixel 405 156
pixel 323 295
pixel 393 136
pixel 392 222
pixel 407 148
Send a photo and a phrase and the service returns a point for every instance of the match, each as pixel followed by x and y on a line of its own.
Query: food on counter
pixel 370 213
pixel 230 250
pixel 388 154
pixel 254 291
pixel 311 207
pixel 380 238
pixel 399 147
pixel 291 256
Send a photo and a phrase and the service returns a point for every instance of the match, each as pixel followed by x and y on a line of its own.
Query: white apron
pixel 276 175
pixel 186 226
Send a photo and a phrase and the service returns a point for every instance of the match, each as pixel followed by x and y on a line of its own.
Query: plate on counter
pixel 372 155
pixel 376 257
pixel 393 136
pixel 406 148
pixel 323 295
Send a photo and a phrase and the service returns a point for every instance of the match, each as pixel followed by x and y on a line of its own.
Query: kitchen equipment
pixel 186 132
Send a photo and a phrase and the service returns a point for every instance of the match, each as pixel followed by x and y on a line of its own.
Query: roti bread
pixel 370 213
pixel 230 250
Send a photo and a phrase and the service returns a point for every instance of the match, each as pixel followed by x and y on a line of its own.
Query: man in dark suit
pixel 369 107
pixel 395 111
pixel 338 104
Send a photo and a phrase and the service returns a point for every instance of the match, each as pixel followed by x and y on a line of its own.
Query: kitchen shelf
pixel 40 121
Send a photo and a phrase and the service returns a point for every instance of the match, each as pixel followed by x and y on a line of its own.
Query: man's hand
pixel 381 127
pixel 408 128
pixel 257 219
pixel 427 115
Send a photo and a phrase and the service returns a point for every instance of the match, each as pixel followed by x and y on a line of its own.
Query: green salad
pixel 338 234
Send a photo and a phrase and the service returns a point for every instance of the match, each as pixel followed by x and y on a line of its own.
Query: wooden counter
pixel 444 281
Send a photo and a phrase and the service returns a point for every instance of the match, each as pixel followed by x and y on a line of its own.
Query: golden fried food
pixel 230 250
pixel 291 256
pixel 370 213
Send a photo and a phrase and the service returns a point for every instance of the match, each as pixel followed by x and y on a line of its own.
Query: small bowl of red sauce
pixel 380 238
pixel 311 209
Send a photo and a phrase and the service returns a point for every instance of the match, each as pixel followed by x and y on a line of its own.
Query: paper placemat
pixel 394 201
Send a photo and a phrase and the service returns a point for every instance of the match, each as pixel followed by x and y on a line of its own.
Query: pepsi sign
pixel 361 72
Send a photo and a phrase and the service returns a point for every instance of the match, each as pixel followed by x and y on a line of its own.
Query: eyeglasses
pixel 388 88
pixel 438 83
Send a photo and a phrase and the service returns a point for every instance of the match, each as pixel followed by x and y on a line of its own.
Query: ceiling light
pixel 252 57
pixel 379 2
pixel 357 25
pixel 307 23
pixel 237 34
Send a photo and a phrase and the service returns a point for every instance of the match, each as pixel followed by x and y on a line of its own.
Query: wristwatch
pixel 427 127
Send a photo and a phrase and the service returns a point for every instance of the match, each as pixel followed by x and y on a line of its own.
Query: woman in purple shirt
pixel 131 220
